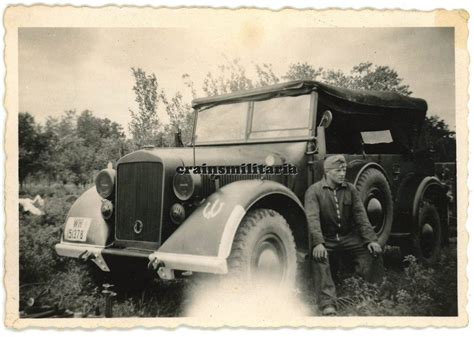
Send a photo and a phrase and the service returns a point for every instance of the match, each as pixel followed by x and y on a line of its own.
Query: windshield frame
pixel 248 125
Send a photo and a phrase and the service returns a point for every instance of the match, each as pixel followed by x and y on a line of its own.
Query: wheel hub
pixel 375 212
pixel 268 259
pixel 427 240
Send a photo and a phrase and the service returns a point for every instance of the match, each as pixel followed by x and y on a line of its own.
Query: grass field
pixel 409 289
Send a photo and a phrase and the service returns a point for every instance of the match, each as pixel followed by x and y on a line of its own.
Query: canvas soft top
pixel 344 100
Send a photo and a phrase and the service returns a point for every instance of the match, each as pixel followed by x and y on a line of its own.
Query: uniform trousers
pixel 349 249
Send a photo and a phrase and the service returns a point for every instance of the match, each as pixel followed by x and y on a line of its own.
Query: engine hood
pixel 220 155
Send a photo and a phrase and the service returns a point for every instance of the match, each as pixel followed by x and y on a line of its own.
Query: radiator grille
pixel 139 199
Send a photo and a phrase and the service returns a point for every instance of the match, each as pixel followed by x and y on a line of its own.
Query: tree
pixel 88 128
pixel 181 119
pixel 302 71
pixel 367 76
pixel 435 134
pixel 69 156
pixel 231 77
pixel 145 126
pixel 104 139
pixel 265 75
pixel 33 146
pixel 364 76
pixel 82 145
pixel 337 78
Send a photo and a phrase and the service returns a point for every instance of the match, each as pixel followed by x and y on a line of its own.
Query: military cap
pixel 334 162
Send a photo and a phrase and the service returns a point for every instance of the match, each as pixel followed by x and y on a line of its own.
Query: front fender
pixel 88 206
pixel 204 241
pixel 430 188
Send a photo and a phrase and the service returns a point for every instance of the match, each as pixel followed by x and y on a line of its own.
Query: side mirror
pixel 326 119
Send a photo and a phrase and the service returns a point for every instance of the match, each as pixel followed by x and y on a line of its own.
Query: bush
pixel 71 286
pixel 418 291
pixel 46 189
pixel 56 210
pixel 39 234
pixel 38 260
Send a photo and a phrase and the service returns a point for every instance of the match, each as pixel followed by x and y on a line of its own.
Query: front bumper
pixel 186 262
pixel 83 252
pixel 164 263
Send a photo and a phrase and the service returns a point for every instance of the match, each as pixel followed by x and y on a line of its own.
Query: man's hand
pixel 320 254
pixel 374 248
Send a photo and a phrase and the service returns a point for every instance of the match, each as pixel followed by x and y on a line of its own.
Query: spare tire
pixel 263 250
pixel 375 193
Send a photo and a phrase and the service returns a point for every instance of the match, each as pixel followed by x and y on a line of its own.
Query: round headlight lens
pixel 177 214
pixel 186 185
pixel 104 183
pixel 107 209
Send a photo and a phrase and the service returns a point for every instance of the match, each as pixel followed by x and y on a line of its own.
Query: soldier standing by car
pixel 338 225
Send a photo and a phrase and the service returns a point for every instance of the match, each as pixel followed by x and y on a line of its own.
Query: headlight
pixel 104 183
pixel 177 214
pixel 186 185
pixel 107 209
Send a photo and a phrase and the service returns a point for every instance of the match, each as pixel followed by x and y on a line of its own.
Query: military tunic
pixel 338 220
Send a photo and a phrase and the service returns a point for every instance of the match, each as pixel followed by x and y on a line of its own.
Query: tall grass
pixel 417 290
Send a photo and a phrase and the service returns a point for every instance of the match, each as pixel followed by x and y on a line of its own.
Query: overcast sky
pixel 90 68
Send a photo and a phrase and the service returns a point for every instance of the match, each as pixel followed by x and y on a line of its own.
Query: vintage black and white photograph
pixel 240 169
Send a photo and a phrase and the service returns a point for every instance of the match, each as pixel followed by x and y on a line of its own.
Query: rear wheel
pixel 263 250
pixel 425 240
pixel 375 193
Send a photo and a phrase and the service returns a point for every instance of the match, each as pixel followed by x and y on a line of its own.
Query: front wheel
pixel 263 250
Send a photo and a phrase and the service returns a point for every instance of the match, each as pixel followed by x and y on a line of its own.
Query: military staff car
pixel 154 210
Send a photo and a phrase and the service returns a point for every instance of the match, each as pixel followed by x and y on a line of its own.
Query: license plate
pixel 76 229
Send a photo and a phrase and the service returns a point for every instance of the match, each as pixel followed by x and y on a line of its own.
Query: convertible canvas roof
pixel 344 100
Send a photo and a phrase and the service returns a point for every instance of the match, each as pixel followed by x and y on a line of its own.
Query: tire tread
pixel 364 180
pixel 237 257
